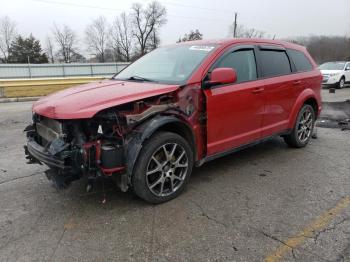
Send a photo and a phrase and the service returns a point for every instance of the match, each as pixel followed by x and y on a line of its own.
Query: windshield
pixel 169 65
pixel 332 66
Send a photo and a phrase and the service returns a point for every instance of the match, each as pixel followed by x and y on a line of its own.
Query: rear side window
pixel 274 63
pixel 301 62
pixel 243 61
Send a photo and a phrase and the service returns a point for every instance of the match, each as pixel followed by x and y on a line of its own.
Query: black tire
pixel 145 186
pixel 301 135
pixel 341 83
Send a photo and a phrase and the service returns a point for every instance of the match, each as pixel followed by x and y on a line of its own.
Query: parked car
pixel 335 74
pixel 177 107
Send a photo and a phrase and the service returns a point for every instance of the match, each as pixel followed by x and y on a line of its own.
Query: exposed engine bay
pixel 96 146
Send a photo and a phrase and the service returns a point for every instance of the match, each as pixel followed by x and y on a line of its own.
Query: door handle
pixel 258 90
pixel 298 82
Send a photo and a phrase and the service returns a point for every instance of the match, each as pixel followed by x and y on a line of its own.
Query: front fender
pixel 137 137
pixel 305 95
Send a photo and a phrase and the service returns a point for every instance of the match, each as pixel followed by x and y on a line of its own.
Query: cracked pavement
pixel 238 208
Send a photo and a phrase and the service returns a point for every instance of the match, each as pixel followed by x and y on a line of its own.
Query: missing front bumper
pixel 34 151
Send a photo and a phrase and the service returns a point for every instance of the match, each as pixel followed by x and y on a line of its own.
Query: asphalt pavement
pixel 268 202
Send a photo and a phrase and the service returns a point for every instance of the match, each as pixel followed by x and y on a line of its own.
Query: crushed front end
pixel 76 148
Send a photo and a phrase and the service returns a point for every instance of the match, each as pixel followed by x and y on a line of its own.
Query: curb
pixel 18 99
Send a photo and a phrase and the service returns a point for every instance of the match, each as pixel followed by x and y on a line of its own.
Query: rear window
pixel 274 63
pixel 301 62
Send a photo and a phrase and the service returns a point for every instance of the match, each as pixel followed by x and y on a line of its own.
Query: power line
pixel 78 5
pixel 195 7
pixel 200 18
pixel 116 9
pixel 110 8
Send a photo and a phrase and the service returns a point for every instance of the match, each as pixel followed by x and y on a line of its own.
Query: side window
pixel 300 61
pixel 243 61
pixel 274 63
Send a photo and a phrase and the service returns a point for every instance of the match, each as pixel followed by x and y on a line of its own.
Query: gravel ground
pixel 247 206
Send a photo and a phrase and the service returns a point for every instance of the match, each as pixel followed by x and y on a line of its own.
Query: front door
pixel 235 111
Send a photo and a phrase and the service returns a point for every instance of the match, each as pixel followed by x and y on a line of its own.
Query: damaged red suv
pixel 177 107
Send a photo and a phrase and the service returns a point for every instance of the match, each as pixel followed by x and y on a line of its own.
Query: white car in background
pixel 335 73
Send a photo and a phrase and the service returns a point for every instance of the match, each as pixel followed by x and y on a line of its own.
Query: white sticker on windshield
pixel 205 48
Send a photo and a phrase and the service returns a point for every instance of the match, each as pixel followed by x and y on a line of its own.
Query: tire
pixel 159 176
pixel 341 83
pixel 303 129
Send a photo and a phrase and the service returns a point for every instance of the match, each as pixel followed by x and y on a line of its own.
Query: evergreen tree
pixel 24 50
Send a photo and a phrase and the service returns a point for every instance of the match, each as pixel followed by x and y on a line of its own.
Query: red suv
pixel 176 107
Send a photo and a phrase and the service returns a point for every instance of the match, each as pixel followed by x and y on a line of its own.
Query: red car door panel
pixel 280 95
pixel 234 115
pixel 281 88
pixel 235 111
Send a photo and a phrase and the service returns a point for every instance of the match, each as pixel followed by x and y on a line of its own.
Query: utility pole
pixel 235 26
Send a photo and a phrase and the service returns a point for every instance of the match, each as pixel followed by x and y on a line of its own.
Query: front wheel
pixel 163 168
pixel 302 131
pixel 341 83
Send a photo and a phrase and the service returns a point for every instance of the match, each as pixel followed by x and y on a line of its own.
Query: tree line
pixel 326 48
pixel 321 48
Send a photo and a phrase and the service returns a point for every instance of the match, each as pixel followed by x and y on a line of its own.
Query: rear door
pixel 347 72
pixel 234 111
pixel 281 88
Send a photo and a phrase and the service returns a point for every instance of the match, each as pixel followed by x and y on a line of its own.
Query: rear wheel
pixel 302 131
pixel 163 168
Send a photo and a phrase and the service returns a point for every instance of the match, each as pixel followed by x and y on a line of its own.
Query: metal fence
pixel 10 71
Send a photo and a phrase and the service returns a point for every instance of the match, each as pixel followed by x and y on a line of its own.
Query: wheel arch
pixel 312 102
pixel 143 132
pixel 306 97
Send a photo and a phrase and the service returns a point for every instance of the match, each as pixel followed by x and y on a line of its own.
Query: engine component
pixel 57 146
pixel 111 155
pixel 49 129
pixel 134 118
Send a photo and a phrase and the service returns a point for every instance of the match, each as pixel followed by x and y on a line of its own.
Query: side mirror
pixel 221 76
pixel 347 68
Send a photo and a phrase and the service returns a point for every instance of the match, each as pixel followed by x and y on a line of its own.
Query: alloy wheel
pixel 167 169
pixel 305 125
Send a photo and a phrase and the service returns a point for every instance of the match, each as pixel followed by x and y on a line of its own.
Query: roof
pixel 230 41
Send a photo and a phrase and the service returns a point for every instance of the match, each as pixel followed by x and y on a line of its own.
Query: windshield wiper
pixel 140 78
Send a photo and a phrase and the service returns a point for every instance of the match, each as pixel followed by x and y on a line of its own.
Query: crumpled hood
pixel 86 100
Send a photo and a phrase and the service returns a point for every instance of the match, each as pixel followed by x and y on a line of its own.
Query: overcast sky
pixel 282 18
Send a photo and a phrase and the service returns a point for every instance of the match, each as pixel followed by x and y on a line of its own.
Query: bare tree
pixel 50 49
pixel 154 40
pixel 121 35
pixel 246 32
pixel 66 40
pixel 191 36
pixel 96 36
pixel 145 21
pixel 7 35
